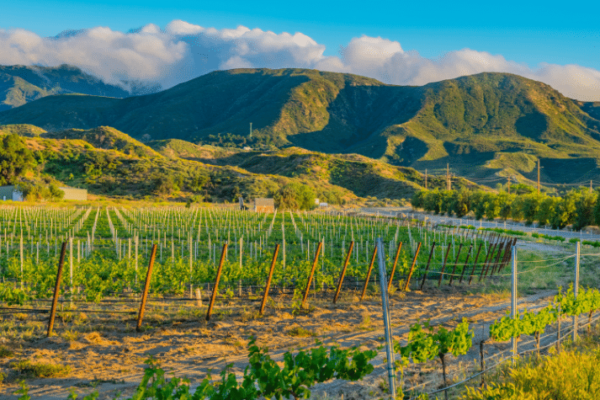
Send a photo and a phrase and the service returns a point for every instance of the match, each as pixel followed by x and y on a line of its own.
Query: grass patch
pixel 41 370
pixel 6 353
pixel 574 373
pixel 300 332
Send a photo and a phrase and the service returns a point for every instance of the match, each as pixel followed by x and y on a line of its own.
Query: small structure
pixel 10 193
pixel 13 193
pixel 264 205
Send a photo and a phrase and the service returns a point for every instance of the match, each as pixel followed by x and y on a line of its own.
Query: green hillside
pixel 105 137
pixel 176 148
pixel 21 84
pixel 109 162
pixel 22 130
pixel 487 126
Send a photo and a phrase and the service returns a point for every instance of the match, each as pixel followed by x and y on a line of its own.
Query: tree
pixel 461 202
pixel 493 208
pixel 564 213
pixel 584 208
pixel 505 201
pixel 295 196
pixel 531 205
pixel 15 158
pixel 546 210
pixel 479 204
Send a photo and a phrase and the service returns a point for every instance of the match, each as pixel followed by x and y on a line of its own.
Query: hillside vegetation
pixel 486 126
pixel 21 84
pixel 109 162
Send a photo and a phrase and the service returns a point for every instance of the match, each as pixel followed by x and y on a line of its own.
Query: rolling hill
pixel 21 84
pixel 109 162
pixel 487 126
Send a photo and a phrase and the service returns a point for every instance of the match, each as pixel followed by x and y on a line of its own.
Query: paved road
pixel 441 219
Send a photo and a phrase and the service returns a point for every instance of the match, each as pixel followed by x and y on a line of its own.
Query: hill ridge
pixel 468 122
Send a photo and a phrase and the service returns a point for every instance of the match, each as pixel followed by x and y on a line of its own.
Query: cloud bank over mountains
pixel 183 51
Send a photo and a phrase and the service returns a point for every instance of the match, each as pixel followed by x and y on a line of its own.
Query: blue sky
pixel 405 43
pixel 523 31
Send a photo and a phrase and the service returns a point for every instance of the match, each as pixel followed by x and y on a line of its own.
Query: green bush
pixel 40 370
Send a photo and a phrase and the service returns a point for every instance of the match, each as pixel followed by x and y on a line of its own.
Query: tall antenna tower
pixel 250 130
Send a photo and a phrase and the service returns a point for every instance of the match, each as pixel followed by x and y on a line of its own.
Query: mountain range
pixel 486 127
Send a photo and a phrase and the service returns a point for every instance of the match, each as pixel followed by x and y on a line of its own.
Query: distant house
pixel 10 193
pixel 13 193
pixel 264 205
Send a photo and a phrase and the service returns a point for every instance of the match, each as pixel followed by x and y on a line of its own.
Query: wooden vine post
pixel 343 273
pixel 217 279
pixel 268 286
pixel 444 267
pixel 475 262
pixel 487 256
pixel 146 288
pixel 427 267
pixel 412 267
pixel 312 272
pixel 466 262
pixel 364 291
pixel 455 264
pixel 503 246
pixel 389 284
pixel 57 288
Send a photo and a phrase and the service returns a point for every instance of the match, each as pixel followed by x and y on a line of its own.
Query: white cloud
pixel 182 51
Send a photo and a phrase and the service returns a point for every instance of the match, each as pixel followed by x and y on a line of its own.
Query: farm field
pixel 106 262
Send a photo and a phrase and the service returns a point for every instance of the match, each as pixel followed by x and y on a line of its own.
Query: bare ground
pixel 107 354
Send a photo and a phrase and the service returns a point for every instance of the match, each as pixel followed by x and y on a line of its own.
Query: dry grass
pixel 40 370
pixel 572 374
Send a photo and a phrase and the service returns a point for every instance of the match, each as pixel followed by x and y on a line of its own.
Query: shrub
pixel 40 370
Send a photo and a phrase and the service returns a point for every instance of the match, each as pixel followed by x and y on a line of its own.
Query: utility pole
pixel 425 178
pixel 538 186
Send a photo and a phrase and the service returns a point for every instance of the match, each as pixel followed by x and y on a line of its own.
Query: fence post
pixel 394 266
pixel 576 288
pixel 412 267
pixel 312 272
pixel 513 303
pixel 343 273
pixel 386 319
pixel 266 295
pixel 216 288
pixel 558 331
pixel 444 266
pixel 427 267
pixel 57 288
pixel 146 287
pixel 364 291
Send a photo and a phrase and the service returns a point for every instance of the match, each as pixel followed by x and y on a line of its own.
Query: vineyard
pixel 284 278
pixel 109 250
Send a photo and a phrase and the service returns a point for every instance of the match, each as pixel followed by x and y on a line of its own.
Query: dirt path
pixel 111 358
